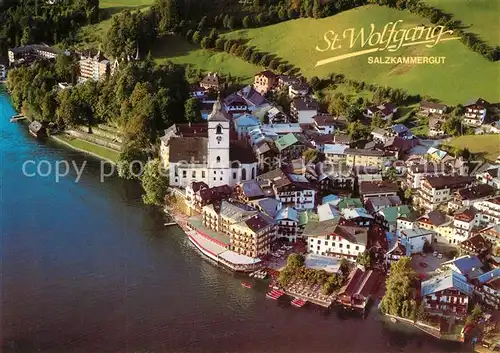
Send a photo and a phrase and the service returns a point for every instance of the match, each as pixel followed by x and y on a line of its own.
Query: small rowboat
pixel 246 284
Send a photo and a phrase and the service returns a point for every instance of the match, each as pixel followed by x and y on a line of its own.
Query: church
pixel 211 156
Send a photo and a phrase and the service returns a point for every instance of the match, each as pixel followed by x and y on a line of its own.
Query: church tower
pixel 219 164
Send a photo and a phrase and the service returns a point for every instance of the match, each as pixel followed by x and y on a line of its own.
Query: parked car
pixel 440 256
pixel 424 264
pixel 435 253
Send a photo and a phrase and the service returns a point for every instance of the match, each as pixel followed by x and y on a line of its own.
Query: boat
pixel 246 284
pixel 298 303
pixel 275 294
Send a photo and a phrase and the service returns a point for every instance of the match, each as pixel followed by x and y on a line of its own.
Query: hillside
pixel 479 16
pixel 464 74
pixel 179 51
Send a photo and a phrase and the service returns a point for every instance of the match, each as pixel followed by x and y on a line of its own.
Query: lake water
pixel 85 267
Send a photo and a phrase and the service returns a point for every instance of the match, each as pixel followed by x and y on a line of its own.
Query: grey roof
pixel 467 265
pixel 447 280
pixel 476 101
pixel 252 188
pixel 235 211
pixel 305 104
pixel 269 205
pixel 432 105
pixel 188 149
pixel 277 177
pixel 218 113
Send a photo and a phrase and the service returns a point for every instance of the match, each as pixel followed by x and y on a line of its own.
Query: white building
pixel 463 224
pixel 489 210
pixel 214 160
pixel 304 110
pixel 414 239
pixel 330 239
pixel 334 153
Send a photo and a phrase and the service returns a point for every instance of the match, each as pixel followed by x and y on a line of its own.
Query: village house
pixel 401 131
pixel 245 123
pixel 475 245
pixel 288 225
pixel 396 252
pixel 37 129
pixel 436 126
pixel 290 146
pixel 358 216
pixel 3 72
pixel 298 89
pixel 335 179
pixel 475 111
pixel 304 109
pixel 366 158
pixel 213 81
pixel 277 116
pixel 489 210
pixel 385 110
pixel 95 68
pixel 436 191
pixel 416 172
pixel 264 81
pixel 324 123
pixel 376 204
pixel 468 266
pixel 489 175
pixel 491 234
pixel 359 288
pixel 432 108
pixel 389 216
pixel 31 52
pixel 447 294
pixel 488 288
pixel 377 189
pixel 235 104
pixel 438 222
pixel 415 239
pixel 334 153
pixel 464 222
pixel 201 195
pixel 380 135
pixel 466 197
pixel 251 191
pixel 331 239
pixel 298 194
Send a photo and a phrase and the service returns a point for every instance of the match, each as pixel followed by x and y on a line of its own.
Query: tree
pixel 338 107
pixel 408 193
pixel 295 261
pixel 153 183
pixel 377 121
pixel 352 113
pixel 131 161
pixel 206 43
pixel 246 22
pixel 192 109
pixel 453 126
pixel 357 131
pixel 202 23
pixel 475 315
pixel 315 83
pixel 219 44
pixel 197 37
pixel 391 173
pixel 398 298
pixel 310 155
pixel 364 259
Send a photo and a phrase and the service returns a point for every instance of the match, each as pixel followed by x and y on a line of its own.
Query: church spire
pixel 218 113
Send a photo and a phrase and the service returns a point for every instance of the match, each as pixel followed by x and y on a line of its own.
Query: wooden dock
pixel 18 117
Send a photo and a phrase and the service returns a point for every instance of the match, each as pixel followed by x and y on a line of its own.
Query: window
pixel 348 246
pixel 203 174
pixel 218 159
pixel 357 247
pixel 333 244
pixel 215 179
pixel 340 245
pixel 219 130
pixel 221 178
pixel 222 172
pixel 243 174
pixel 194 174
pixel 234 175
pixel 215 172
pixel 319 242
pixel 184 173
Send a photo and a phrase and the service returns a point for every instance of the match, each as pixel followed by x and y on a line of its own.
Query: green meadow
pixel 487 146
pixel 179 51
pixel 463 75
pixel 479 16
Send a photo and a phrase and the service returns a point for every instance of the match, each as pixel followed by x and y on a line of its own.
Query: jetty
pixel 298 303
pixel 17 117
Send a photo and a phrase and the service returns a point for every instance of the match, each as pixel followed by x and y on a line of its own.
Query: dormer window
pixel 219 130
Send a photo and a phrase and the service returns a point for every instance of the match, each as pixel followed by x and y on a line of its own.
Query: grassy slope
pixel 465 74
pixel 93 35
pixel 179 51
pixel 101 151
pixel 480 16
pixel 486 145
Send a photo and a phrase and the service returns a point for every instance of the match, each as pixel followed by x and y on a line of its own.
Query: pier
pixel 17 117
